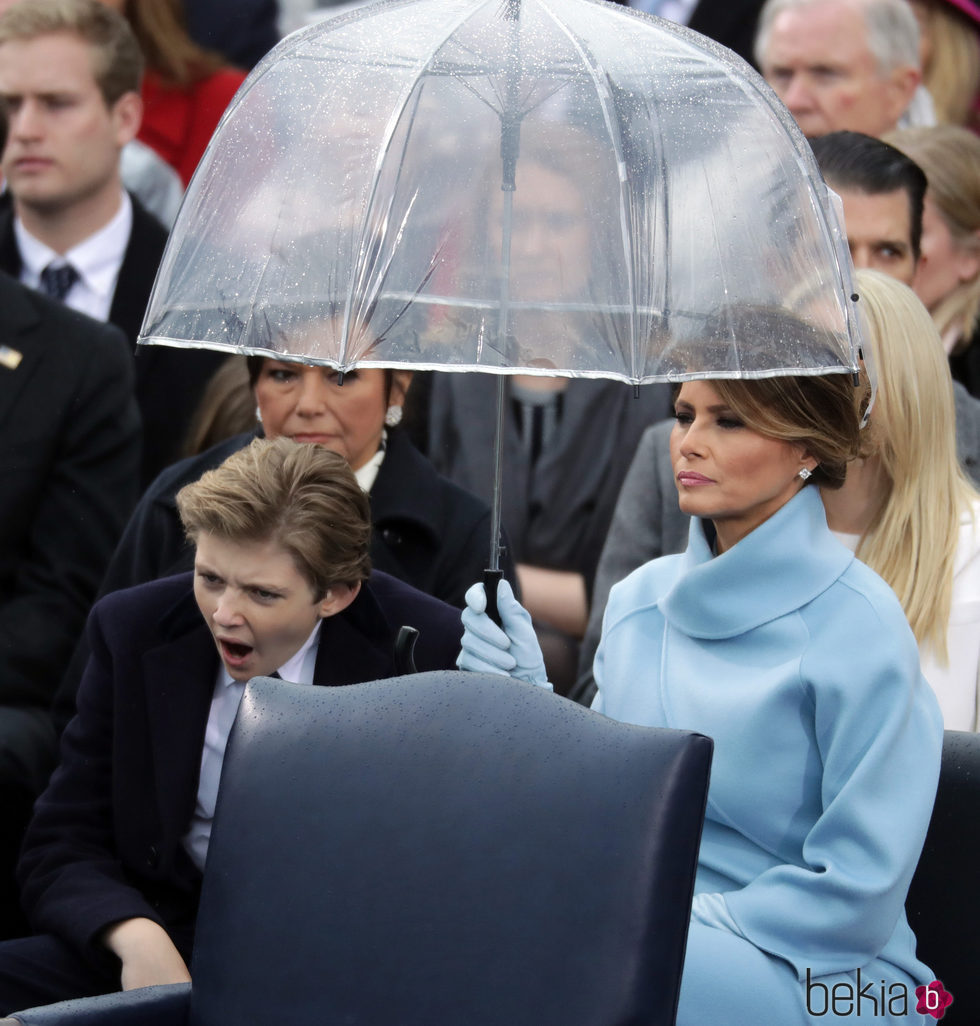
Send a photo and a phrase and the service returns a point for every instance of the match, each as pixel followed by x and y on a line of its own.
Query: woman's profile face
pixel 725 471
pixel 944 263
pixel 307 404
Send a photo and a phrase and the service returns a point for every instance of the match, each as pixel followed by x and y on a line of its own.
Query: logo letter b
pixel 826 996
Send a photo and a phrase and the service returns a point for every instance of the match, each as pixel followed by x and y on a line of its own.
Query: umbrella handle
pixel 491 578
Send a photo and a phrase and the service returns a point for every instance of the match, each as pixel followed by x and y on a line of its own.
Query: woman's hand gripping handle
pixel 511 649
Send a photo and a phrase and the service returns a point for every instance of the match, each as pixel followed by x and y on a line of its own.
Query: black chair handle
pixel 405 651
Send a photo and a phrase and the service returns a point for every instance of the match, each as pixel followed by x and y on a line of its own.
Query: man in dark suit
pixel 69 463
pixel 70 80
pixel 113 857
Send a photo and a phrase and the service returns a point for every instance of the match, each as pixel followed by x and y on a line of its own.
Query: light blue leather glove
pixel 512 651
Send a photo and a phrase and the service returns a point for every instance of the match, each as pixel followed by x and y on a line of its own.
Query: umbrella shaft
pixel 498 470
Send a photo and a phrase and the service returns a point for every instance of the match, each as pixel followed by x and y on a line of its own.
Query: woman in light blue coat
pixel 769 636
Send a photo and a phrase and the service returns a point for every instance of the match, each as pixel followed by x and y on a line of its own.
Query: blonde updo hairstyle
pixel 820 412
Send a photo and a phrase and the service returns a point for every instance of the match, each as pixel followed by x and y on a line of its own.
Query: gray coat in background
pixel 556 513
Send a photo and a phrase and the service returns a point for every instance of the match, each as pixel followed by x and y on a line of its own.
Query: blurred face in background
pixel 63 140
pixel 818 61
pixel 946 261
pixel 550 236
pixel 879 231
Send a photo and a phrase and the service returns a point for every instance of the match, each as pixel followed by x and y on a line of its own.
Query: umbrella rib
pixel 413 296
pixel 524 108
pixel 600 82
pixel 380 162
pixel 284 50
pixel 721 269
pixel 361 286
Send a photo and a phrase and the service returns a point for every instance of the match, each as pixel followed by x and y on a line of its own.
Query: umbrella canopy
pixel 536 186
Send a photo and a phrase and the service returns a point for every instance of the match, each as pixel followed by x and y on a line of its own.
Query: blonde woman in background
pixel 947 278
pixel 907 509
pixel 949 49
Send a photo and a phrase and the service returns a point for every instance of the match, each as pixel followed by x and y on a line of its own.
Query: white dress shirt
pixel 97 260
pixel 224 705
pixel 366 475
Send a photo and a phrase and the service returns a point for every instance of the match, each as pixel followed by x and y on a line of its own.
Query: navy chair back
pixel 446 848
pixel 943 905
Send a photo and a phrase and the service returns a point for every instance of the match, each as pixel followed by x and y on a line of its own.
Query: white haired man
pixel 841 64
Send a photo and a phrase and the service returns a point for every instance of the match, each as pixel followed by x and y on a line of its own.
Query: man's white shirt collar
pixel 225 699
pixel 97 260
pixel 367 474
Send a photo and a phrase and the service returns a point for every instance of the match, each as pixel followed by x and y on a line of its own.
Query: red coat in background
pixel 178 121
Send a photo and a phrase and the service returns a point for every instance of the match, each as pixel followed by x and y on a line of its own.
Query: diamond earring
pixel 258 414
pixel 394 416
pixel 805 474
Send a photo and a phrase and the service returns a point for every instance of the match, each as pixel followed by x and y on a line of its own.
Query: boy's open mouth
pixel 235 650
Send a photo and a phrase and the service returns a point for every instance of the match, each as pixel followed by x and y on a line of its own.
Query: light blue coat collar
pixel 792 557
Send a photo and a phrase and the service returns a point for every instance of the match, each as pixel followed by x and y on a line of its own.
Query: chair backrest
pixel 943 905
pixel 444 849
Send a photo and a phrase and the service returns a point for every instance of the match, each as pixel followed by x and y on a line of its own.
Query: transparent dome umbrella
pixel 558 187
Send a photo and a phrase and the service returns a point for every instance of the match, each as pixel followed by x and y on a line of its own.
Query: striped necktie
pixel 56 282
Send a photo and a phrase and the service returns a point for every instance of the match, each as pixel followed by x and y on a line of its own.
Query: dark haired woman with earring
pixel 771 637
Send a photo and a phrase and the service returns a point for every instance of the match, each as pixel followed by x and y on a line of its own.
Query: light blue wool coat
pixel 798 660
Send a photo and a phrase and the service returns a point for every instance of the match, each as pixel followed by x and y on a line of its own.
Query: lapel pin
pixel 10 358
